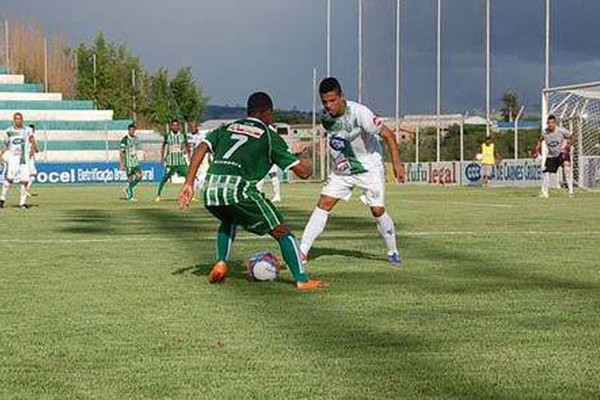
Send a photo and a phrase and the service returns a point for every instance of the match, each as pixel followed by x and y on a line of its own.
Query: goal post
pixel 577 108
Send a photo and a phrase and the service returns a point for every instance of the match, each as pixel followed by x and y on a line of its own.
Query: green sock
pixel 130 189
pixel 225 238
pixel 291 255
pixel 162 184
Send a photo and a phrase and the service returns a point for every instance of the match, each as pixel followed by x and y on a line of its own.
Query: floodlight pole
pixel 488 66
pixel 7 45
pixel 360 51
pixel 439 79
pixel 519 115
pixel 45 65
pixel 398 77
pixel 547 69
pixel 328 38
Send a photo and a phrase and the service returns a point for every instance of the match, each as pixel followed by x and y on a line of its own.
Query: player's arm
pixel 390 140
pixel 286 160
pixel 374 126
pixel 162 150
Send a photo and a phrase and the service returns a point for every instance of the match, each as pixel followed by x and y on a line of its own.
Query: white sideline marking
pixel 132 238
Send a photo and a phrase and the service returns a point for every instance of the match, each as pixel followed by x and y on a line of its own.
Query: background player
pixel 490 158
pixel 195 138
pixel 356 161
pixel 556 142
pixel 173 154
pixel 31 162
pixel 129 162
pixel 244 151
pixel 18 144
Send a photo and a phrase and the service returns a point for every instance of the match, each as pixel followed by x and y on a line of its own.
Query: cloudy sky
pixel 237 46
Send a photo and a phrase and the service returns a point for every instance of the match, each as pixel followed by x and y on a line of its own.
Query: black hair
pixel 131 126
pixel 32 126
pixel 259 102
pixel 551 117
pixel 174 120
pixel 330 85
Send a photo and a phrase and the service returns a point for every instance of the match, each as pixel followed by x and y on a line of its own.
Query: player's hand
pixel 400 173
pixel 186 195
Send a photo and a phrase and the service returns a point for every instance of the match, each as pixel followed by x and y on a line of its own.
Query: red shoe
pixel 310 285
pixel 218 273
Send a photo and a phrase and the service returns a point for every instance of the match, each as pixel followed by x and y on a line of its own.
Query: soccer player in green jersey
pixel 175 149
pixel 243 152
pixel 129 161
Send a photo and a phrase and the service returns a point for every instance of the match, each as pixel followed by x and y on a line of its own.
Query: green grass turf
pixel 106 300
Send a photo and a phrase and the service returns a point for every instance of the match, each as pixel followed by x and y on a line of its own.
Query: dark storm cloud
pixel 237 46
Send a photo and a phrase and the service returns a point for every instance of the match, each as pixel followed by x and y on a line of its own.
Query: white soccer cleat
pixel 276 199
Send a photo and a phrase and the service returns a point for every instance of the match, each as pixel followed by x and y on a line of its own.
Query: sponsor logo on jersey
pixel 246 130
pixel 337 143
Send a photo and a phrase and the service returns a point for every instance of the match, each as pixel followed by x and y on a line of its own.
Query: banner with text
pixel 433 173
pixel 93 173
pixel 524 172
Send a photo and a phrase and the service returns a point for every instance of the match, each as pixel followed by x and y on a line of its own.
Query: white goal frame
pixel 577 108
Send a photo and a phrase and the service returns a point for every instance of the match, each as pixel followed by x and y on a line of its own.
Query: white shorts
pixel 17 172
pixel 32 167
pixel 372 184
pixel 486 170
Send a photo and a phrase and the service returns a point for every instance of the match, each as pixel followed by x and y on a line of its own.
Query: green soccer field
pixel 499 298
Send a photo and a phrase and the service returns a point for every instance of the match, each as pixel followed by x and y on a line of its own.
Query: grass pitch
pixel 499 298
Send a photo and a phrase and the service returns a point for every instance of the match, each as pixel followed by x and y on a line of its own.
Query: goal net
pixel 577 108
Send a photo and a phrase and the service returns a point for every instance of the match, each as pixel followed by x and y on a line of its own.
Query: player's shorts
pixel 133 171
pixel 552 165
pixel 181 170
pixel 32 168
pixel 372 183
pixel 16 171
pixel 256 214
pixel 486 170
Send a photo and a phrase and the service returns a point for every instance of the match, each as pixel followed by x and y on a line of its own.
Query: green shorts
pixel 133 171
pixel 255 214
pixel 181 170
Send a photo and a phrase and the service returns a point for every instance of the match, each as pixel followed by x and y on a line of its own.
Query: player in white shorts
pixel 195 138
pixel 18 148
pixel 31 163
pixel 274 177
pixel 355 136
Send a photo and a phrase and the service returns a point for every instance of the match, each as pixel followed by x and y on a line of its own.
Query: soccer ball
pixel 263 266
pixel 479 157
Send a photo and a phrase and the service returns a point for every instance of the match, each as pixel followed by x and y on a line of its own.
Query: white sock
pixel 385 226
pixel 30 183
pixel 23 198
pixel 276 188
pixel 545 183
pixel 5 188
pixel 313 229
pixel 569 177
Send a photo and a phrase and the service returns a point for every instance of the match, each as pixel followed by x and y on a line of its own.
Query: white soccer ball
pixel 479 157
pixel 263 267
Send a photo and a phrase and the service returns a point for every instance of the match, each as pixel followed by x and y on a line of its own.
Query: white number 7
pixel 240 141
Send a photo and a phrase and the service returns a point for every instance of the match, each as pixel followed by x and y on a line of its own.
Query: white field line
pixel 146 238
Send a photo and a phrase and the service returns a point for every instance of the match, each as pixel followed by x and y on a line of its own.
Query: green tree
pixel 512 105
pixel 157 105
pixel 187 95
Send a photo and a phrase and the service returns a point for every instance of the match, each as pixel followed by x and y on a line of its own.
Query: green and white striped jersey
pixel 129 148
pixel 17 142
pixel 243 153
pixel 354 140
pixel 176 146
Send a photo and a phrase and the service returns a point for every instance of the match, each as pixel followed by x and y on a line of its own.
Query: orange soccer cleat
pixel 310 285
pixel 218 273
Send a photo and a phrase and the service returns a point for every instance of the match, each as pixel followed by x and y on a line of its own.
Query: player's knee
pixel 281 231
pixel 377 211
pixel 326 203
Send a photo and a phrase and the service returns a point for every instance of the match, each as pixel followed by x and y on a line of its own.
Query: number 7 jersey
pixel 243 153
